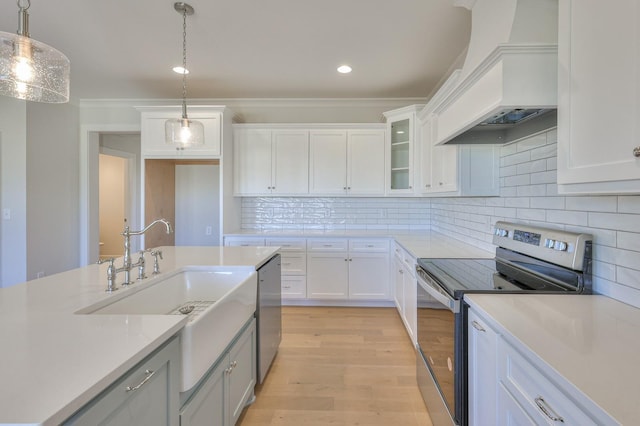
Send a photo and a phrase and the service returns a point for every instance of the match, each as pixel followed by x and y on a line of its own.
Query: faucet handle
pixel 111 274
pixel 141 263
pixel 109 259
pixel 156 264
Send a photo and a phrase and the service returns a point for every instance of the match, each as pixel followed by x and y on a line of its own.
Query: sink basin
pixel 218 302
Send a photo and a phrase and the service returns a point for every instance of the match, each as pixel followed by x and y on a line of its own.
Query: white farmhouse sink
pixel 218 301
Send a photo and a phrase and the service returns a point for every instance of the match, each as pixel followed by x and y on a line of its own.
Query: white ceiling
pixel 251 48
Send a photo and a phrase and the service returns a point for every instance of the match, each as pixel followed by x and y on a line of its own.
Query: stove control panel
pixel 552 245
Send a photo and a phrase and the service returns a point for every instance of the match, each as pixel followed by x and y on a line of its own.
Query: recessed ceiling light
pixel 180 70
pixel 344 69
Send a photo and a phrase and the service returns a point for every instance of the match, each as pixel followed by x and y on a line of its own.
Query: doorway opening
pixel 118 183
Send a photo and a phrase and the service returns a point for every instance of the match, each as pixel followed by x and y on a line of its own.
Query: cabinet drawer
pixel 327 245
pixel 534 392
pixel 288 244
pixel 147 395
pixel 243 241
pixel 367 245
pixel 294 287
pixel 293 263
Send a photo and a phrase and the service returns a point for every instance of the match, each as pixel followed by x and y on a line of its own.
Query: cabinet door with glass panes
pixel 402 132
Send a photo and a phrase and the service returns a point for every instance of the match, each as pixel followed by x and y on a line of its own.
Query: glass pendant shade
pixel 32 70
pixel 184 132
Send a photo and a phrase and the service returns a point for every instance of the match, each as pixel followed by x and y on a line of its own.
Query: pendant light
pixel 30 69
pixel 184 132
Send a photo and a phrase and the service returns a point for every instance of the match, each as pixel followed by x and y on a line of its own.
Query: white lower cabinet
pixel 405 290
pixel 510 386
pixel 148 395
pixel 348 269
pixel 293 252
pixel 482 374
pixel 220 397
pixel 536 396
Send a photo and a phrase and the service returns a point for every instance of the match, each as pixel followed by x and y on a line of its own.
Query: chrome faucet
pixel 127 264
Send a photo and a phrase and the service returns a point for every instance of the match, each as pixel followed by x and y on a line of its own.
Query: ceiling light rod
pixel 29 69
pixel 184 132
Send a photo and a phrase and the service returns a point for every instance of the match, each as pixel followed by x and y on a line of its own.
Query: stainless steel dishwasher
pixel 268 314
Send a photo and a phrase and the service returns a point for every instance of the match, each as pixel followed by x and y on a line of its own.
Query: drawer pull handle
pixel 370 245
pixel 148 375
pixel 286 263
pixel 548 411
pixel 477 326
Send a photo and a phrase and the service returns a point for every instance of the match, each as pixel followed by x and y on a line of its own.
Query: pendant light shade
pixel 29 69
pixel 184 132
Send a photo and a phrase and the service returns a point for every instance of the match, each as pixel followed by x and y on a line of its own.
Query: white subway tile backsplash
pixel 567 217
pixel 593 204
pixel 539 190
pixel 543 177
pixel 629 204
pixel 531 214
pixel 532 142
pixel 627 276
pixel 547 151
pixel 628 241
pixel 549 203
pixel 517 180
pixel 621 222
pixel 521 157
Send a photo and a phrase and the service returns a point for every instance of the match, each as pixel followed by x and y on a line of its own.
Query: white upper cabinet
pixel 152 133
pixel 347 162
pixel 328 162
pixel 271 161
pixel 365 162
pixel 402 132
pixel 456 170
pixel 599 97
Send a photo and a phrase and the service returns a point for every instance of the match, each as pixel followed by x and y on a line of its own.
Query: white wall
pixel 13 191
pixel 52 188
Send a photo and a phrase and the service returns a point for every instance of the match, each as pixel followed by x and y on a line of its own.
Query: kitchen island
pixel 54 360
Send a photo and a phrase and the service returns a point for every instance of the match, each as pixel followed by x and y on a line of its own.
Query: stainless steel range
pixel 528 259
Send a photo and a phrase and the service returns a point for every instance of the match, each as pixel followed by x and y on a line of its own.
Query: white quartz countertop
pixel 590 341
pixel 54 361
pixel 420 243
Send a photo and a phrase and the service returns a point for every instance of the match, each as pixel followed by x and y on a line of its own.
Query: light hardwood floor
pixel 342 367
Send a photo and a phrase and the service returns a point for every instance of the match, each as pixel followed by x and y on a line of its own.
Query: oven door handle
pixel 439 294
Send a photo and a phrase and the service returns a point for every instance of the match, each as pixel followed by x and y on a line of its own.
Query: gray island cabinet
pixel 146 395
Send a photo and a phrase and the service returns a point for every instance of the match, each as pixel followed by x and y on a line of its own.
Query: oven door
pixel 436 331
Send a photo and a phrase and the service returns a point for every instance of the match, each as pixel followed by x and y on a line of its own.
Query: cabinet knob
pixel 344 187
pixel 427 186
pixel 439 183
pixel 410 187
pixel 636 151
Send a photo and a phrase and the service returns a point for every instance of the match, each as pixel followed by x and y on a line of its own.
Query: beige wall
pixel 112 184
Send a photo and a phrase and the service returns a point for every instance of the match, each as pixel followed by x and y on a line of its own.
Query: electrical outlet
pixel 40 274
pixel 208 230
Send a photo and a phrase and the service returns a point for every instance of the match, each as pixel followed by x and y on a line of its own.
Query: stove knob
pixel 502 232
pixel 549 243
pixel 560 246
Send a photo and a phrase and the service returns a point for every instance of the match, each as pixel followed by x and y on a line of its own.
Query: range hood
pixel 507 87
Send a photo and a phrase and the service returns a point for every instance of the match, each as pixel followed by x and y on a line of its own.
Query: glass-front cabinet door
pixel 401 128
pixel 400 155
